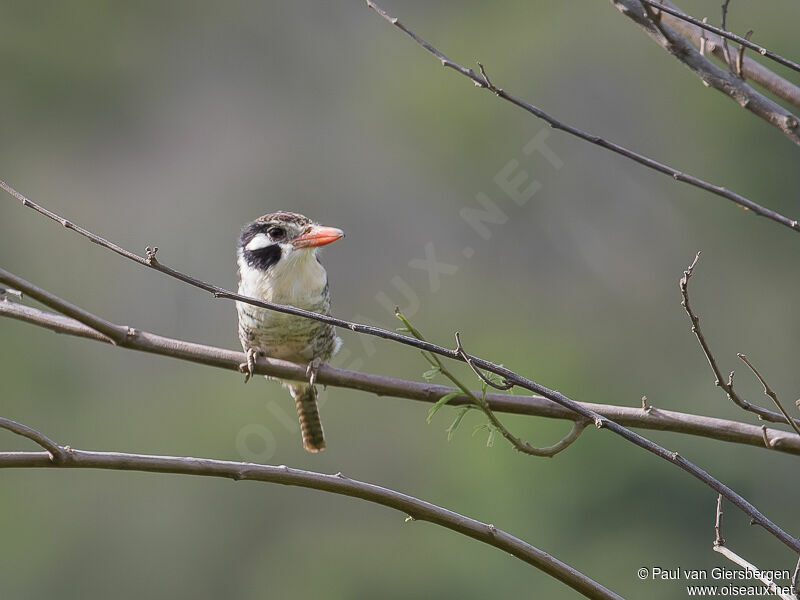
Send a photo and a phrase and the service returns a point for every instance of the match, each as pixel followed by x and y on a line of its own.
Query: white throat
pixel 297 278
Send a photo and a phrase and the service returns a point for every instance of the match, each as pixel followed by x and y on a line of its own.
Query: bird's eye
pixel 276 233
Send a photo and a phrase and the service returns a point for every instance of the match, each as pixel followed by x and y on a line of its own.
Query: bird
pixel 277 260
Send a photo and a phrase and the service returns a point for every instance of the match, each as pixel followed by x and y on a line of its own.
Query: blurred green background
pixel 172 124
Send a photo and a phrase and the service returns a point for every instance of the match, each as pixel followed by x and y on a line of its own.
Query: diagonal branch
pixel 116 334
pixel 670 9
pixel 535 406
pixel 719 381
pixel 479 400
pixel 511 377
pixel 56 452
pixel 751 69
pixel 483 82
pixel 418 510
pixel 724 81
pixel 768 392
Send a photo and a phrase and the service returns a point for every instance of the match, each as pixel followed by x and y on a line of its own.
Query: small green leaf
pixel 492 436
pixel 440 403
pixel 451 431
pixel 479 427
pixel 430 374
pixel 403 330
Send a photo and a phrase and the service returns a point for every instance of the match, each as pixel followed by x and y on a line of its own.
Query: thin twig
pixel 723 81
pixel 535 406
pixel 703 39
pixel 724 30
pixel 655 18
pixel 555 396
pixel 418 509
pixel 718 539
pixel 480 401
pixel 482 82
pixel 743 41
pixel 758 573
pixel 728 388
pixel 55 452
pixel 115 333
pixel 719 546
pixel 768 392
pixel 753 70
pixel 740 57
pixel 498 386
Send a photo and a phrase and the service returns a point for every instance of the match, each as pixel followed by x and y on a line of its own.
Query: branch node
pixel 703 38
pixel 6 292
pixel 719 541
pixel 489 85
pixel 151 255
pixel 506 385
pixel 765 436
pixel 769 393
pixel 740 56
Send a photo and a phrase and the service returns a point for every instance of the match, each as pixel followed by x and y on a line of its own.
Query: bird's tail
pixel 305 397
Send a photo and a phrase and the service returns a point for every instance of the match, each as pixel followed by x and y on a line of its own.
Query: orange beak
pixel 317 235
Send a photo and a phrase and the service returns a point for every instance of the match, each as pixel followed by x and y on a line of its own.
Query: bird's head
pixel 283 237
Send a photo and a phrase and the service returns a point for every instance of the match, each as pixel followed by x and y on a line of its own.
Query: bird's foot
pixel 248 368
pixel 311 370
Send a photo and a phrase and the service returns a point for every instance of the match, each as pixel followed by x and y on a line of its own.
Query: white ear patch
pixel 258 242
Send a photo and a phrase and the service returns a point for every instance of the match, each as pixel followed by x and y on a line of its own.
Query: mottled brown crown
pixel 285 217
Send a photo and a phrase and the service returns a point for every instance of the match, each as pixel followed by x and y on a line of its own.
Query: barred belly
pixel 288 337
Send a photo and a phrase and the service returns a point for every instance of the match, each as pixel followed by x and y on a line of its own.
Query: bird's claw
pixel 311 370
pixel 248 368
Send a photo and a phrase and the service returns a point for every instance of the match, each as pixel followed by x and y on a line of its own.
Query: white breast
pixel 298 279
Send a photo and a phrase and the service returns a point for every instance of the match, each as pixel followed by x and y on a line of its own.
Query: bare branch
pixel 723 30
pixel 745 42
pixel 55 452
pixel 511 377
pixel 723 81
pixel 417 509
pixel 751 69
pixel 768 392
pixel 719 546
pixel 482 82
pixel 535 406
pixel 733 396
pixel 115 333
pixel 565 442
pixel 218 292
